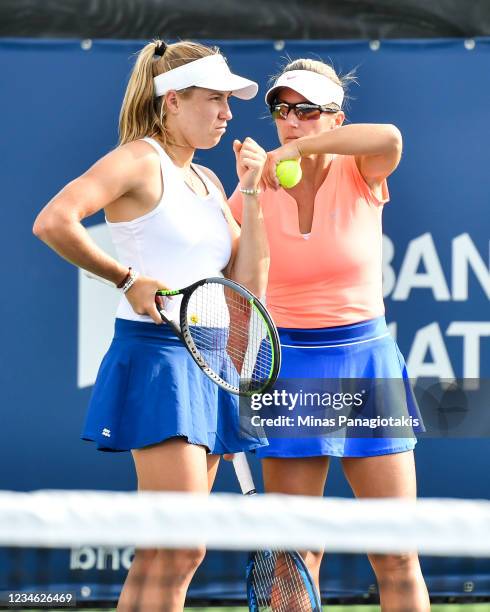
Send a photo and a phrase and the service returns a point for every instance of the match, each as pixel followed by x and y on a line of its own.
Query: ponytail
pixel 142 114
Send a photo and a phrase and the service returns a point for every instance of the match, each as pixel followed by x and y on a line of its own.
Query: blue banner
pixel 60 103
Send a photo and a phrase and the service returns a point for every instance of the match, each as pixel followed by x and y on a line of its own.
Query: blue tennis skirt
pixel 365 353
pixel 148 389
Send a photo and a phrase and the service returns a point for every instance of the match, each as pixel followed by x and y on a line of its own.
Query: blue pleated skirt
pixel 362 351
pixel 149 389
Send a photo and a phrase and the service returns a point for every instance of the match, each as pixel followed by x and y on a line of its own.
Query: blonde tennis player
pixel 171 226
pixel 325 295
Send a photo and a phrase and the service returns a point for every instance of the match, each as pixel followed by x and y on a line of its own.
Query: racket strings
pixel 281 592
pixel 299 597
pixel 231 334
pixel 278 584
pixel 261 573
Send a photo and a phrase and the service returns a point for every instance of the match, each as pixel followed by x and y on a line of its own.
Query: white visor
pixel 210 72
pixel 315 87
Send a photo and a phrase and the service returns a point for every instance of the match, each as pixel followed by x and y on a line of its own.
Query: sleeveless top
pixel 183 239
pixel 335 276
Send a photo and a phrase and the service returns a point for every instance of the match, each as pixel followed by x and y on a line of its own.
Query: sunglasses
pixel 304 111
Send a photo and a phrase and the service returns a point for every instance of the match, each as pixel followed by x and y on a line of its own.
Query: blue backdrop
pixel 60 102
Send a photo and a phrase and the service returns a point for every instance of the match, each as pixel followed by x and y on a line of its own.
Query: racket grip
pixel 243 473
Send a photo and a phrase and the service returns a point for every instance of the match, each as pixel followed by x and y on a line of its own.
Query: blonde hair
pixel 142 114
pixel 323 68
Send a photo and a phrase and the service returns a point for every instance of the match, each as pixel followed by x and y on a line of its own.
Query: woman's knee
pixel 181 562
pixel 313 560
pixel 143 558
pixel 164 566
pixel 392 566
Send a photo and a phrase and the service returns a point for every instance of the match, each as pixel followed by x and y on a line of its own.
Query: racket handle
pixel 243 473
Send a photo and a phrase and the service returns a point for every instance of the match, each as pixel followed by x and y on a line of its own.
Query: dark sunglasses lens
pixel 279 111
pixel 306 113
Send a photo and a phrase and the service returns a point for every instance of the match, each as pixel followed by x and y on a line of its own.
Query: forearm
pixel 67 236
pixel 251 264
pixel 356 139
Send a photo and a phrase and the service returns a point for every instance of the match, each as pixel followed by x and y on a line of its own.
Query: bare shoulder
pixel 139 148
pixel 138 153
pixel 212 177
pixel 129 165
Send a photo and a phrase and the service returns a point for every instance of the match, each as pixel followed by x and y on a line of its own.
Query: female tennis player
pixel 325 295
pixel 171 226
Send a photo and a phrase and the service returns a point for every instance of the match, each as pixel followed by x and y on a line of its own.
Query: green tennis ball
pixel 289 172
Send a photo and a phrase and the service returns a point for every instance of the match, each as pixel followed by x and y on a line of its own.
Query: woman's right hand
pixel 141 297
pixel 250 160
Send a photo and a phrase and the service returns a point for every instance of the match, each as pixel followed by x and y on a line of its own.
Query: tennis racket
pixel 277 581
pixel 227 331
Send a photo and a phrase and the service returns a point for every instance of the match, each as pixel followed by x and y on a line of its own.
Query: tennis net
pixel 72 549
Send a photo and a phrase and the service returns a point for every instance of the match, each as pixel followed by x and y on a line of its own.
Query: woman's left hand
pixel 288 151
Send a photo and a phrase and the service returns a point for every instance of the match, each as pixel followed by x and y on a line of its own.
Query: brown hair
pixel 142 114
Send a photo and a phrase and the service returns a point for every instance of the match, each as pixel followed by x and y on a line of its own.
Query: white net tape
pixel 233 522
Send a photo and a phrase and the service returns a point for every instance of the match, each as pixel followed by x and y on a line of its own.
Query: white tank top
pixel 183 239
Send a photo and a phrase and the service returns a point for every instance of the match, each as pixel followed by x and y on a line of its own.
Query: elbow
pixel 257 286
pixel 43 227
pixel 39 229
pixel 47 225
pixel 394 139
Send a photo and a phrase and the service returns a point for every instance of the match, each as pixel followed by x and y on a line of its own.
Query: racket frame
pixel 185 335
pixel 247 486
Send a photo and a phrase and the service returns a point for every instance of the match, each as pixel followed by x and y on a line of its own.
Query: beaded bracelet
pixel 249 191
pixel 127 286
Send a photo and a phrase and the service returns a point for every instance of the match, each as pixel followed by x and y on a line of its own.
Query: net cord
pixel 232 522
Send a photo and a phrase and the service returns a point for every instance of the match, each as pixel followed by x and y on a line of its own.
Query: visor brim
pixel 306 92
pixel 239 86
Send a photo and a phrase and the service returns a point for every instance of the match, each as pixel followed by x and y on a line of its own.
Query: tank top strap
pixel 169 170
pixel 211 186
pixel 173 175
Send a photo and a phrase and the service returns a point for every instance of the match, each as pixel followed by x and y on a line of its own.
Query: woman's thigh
pixel 174 465
pixel 295 476
pixel 382 476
